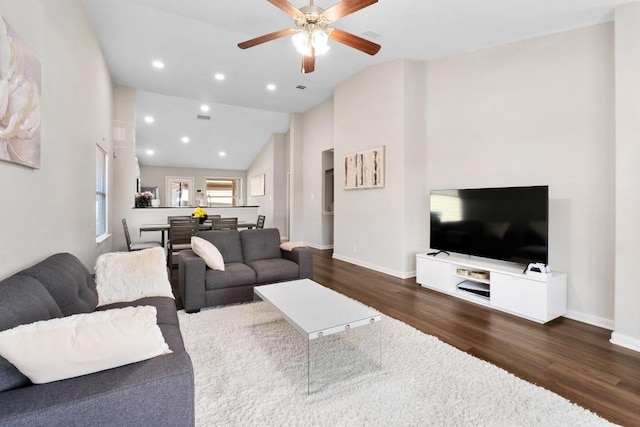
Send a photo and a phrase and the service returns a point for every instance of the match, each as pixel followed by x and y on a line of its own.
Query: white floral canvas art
pixel 20 77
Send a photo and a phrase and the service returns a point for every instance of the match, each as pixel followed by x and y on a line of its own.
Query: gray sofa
pixel 251 258
pixel 155 392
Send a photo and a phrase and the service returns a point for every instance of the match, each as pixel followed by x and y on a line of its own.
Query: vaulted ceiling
pixel 196 39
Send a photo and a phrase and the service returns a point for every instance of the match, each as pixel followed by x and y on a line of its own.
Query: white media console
pixel 540 298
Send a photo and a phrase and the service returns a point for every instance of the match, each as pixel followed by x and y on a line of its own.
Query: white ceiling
pixel 197 38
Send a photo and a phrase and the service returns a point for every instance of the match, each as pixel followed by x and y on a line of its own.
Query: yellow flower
pixel 199 212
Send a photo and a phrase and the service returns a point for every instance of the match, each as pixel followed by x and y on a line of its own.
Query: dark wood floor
pixel 572 359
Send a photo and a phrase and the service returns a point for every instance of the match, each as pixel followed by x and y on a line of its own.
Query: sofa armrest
pixel 191 280
pixel 304 258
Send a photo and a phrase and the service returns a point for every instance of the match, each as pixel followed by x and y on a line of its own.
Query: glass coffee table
pixel 319 312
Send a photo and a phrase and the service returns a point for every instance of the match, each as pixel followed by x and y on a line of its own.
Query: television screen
pixel 509 224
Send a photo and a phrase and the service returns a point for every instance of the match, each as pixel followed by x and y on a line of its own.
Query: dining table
pixel 164 228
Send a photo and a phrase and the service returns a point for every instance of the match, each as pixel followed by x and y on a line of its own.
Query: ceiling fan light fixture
pixel 302 43
pixel 319 39
pixel 321 48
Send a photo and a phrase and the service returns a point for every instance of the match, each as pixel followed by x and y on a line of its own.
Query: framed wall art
pixel 20 105
pixel 364 169
pixel 257 185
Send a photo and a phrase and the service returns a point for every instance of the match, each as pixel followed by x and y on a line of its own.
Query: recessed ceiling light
pixel 271 86
pixel 219 76
pixel 204 108
pixel 150 152
pixel 158 64
pixel 149 119
pixel 222 154
pixel 185 139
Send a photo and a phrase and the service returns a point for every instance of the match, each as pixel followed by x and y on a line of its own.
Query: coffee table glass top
pixel 315 310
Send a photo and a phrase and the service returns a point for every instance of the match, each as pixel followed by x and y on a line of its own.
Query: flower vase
pixel 202 219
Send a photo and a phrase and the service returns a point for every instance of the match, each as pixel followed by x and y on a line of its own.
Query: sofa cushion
pixel 235 274
pixel 227 242
pixel 68 281
pixel 22 300
pixel 166 308
pixel 10 377
pixel 274 270
pixel 260 244
pixel 25 300
pixel 129 276
pixel 81 344
pixel 154 392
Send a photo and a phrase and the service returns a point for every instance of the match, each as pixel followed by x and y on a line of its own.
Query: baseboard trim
pixel 390 272
pixel 600 322
pixel 625 341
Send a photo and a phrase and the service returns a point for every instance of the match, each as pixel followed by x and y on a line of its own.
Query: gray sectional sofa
pixel 155 392
pixel 251 258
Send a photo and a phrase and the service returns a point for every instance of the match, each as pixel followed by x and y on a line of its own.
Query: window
pixel 101 193
pixel 179 191
pixel 221 192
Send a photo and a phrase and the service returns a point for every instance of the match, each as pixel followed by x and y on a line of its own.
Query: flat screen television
pixel 508 223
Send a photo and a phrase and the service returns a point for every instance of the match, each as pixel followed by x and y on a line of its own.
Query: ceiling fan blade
pixel 346 7
pixel 354 41
pixel 309 62
pixel 265 38
pixel 287 7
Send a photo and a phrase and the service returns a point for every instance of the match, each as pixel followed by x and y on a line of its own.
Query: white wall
pixel 540 111
pixel 124 166
pixel 294 150
pixel 318 137
pixel 52 209
pixel 279 185
pixel 370 109
pixel 537 112
pixel 272 163
pixel 415 195
pixel 627 64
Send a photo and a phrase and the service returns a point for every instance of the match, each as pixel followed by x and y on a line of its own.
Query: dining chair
pixel 209 221
pixel 225 223
pixel 260 221
pixel 137 246
pixel 172 217
pixel 180 232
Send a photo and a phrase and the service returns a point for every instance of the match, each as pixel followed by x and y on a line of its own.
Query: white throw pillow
pixel 208 252
pixel 81 344
pixel 289 246
pixel 129 276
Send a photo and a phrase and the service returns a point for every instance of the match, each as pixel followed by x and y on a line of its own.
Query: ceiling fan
pixel 312 31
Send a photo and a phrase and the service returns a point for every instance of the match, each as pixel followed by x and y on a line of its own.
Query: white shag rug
pixel 251 370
